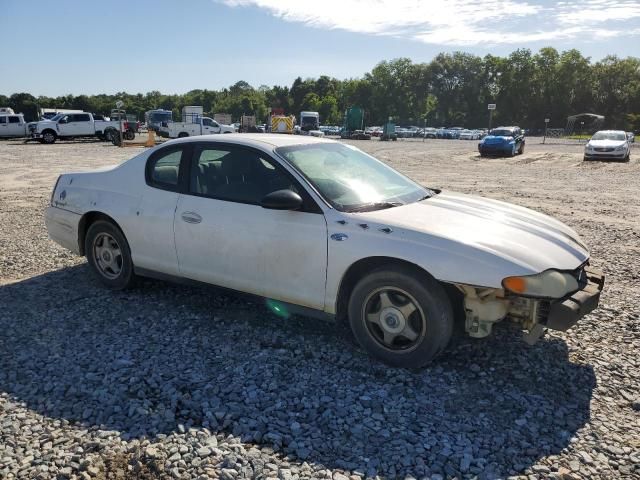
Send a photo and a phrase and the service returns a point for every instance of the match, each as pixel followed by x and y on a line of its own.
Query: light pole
pixel 546 124
pixel 493 90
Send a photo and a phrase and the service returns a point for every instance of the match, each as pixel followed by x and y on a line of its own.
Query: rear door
pixel 16 126
pixel 224 237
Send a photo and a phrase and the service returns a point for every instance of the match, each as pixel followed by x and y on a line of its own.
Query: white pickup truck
pixel 71 125
pixel 12 125
pixel 201 126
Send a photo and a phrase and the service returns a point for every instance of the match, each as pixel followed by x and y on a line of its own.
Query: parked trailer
pixel 223 118
pixel 282 123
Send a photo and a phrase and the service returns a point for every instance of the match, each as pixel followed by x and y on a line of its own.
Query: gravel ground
pixel 167 381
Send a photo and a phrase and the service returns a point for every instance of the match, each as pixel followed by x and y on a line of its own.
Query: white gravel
pixel 167 381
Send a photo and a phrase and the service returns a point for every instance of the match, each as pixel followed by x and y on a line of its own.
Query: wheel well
pixel 363 266
pixel 49 130
pixel 86 221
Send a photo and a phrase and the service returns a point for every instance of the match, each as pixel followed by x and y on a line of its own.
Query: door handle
pixel 191 217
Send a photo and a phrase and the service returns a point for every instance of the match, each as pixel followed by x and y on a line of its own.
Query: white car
pixel 318 226
pixel 469 135
pixel 608 144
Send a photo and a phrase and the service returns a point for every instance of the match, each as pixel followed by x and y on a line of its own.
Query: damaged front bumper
pixel 565 312
pixel 485 307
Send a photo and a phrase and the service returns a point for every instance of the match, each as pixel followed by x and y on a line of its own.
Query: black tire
pixel 129 135
pixel 585 159
pixel 627 158
pixel 115 271
pixel 183 135
pixel 49 137
pixel 521 149
pixel 430 320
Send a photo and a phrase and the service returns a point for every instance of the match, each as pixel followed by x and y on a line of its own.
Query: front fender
pixel 444 259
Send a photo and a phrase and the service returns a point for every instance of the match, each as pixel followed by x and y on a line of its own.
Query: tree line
pixel 452 89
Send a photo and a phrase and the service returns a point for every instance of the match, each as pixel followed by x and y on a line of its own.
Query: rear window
pixel 14 119
pixel 163 168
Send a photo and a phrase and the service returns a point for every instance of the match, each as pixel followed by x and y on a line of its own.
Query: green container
pixel 353 119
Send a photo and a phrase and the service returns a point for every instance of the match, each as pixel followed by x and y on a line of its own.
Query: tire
pixel 416 314
pixel 49 137
pixel 627 158
pixel 183 135
pixel 129 135
pixel 521 149
pixel 512 153
pixel 108 255
pixel 585 159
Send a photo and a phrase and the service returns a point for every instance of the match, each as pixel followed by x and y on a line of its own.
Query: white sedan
pixel 608 144
pixel 319 227
pixel 469 135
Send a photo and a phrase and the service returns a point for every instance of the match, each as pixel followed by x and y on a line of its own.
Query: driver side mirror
pixel 282 200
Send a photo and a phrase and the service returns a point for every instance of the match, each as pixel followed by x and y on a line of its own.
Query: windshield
pixel 351 180
pixel 57 117
pixel 609 136
pixel 160 116
pixel 502 133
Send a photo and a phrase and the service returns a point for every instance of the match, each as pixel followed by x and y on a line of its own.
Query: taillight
pixel 54 189
pixel 126 125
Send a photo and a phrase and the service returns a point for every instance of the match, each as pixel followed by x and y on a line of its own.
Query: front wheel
pixel 129 135
pixel 48 137
pixel 521 149
pixel 400 316
pixel 108 255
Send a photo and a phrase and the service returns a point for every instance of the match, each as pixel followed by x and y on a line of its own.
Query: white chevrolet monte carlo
pixel 322 228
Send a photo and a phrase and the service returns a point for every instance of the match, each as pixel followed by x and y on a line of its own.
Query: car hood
pixel 496 139
pixel 606 143
pixel 533 241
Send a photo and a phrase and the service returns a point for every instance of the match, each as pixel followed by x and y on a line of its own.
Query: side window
pixel 3 120
pixel 82 117
pixel 163 169
pixel 207 122
pixel 236 175
pixel 14 119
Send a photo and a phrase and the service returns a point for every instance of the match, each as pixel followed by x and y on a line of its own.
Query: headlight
pixel 621 147
pixel 548 284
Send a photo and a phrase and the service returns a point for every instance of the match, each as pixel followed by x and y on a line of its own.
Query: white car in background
pixel 608 144
pixel 469 135
pixel 320 227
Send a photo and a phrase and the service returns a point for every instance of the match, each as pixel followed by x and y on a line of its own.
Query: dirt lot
pixel 178 382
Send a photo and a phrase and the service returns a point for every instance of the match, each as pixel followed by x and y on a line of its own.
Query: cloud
pixel 458 22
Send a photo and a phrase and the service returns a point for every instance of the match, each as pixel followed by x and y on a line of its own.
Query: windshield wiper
pixel 375 206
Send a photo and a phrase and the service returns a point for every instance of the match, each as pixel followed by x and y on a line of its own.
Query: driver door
pixel 224 237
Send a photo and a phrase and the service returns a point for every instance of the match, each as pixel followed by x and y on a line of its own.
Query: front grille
pixel 603 149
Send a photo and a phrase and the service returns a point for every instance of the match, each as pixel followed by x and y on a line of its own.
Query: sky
pixel 89 47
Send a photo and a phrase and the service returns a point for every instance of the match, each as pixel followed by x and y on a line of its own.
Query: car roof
pixel 611 131
pixel 260 140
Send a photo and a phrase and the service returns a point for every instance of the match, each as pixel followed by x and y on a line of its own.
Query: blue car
pixel 502 141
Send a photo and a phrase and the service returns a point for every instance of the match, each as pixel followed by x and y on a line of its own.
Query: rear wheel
pixel 108 255
pixel 129 135
pixel 400 316
pixel 183 134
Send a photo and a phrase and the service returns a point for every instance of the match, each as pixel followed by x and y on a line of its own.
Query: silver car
pixel 608 144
